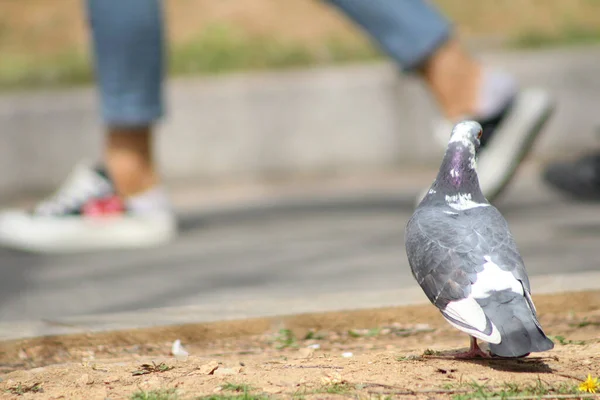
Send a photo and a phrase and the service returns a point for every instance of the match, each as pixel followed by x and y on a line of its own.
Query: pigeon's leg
pixel 473 352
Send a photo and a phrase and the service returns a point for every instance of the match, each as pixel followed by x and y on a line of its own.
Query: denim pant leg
pixel 127 38
pixel 409 31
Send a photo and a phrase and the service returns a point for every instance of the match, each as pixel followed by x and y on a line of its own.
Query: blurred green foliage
pixel 222 49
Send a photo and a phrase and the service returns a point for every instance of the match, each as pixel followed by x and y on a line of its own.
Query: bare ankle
pixel 129 160
pixel 454 78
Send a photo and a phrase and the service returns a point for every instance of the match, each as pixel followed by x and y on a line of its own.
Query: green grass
pixel 585 322
pixel 369 333
pixel 337 388
pixel 430 352
pixel 67 69
pixel 219 49
pixel 237 387
pixel 312 335
pixel 164 394
pixel 464 391
pixel 284 339
pixel 223 49
pixel 509 390
pixel 242 392
pixel 243 396
pixel 341 388
pixel 410 357
pixel 21 389
pixel 564 341
pixel 145 369
pixel 569 35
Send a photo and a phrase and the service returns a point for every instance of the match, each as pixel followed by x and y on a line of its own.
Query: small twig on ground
pixel 402 391
pixel 457 391
pixel 568 376
pixel 525 359
pixel 549 396
pixel 371 384
pixel 416 392
pixel 491 359
pixel 235 353
pixel 313 366
pixel 450 357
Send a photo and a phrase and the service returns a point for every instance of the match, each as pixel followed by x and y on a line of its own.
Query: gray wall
pixel 305 121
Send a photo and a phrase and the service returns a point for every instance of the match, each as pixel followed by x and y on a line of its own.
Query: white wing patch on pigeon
pixel 470 313
pixel 530 301
pixel 492 279
pixel 462 201
pixel 467 311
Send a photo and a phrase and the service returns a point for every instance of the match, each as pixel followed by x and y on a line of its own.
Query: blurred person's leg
pixel 421 40
pixel 578 178
pixel 119 204
pixel 127 39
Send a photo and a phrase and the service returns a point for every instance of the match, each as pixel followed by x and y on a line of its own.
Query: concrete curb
pixel 338 302
pixel 269 124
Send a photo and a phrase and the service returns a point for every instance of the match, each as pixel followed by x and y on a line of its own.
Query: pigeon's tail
pixel 520 331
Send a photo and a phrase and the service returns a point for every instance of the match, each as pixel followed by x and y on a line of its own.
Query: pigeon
pixel 464 257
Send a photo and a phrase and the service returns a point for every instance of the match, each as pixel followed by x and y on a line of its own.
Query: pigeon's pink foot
pixel 474 351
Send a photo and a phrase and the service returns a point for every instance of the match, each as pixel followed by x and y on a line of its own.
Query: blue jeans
pixel 128 42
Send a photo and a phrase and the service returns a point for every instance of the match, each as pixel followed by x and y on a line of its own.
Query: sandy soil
pixel 384 353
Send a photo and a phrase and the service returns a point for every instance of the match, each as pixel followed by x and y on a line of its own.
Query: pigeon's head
pixel 467 133
pixel 457 177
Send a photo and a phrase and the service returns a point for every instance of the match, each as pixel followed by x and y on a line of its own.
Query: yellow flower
pixel 589 385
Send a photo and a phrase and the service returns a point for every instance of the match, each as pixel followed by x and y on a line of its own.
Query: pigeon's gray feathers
pixel 465 259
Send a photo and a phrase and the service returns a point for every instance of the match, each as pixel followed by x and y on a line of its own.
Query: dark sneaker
pixel 579 179
pixel 507 139
pixel 84 214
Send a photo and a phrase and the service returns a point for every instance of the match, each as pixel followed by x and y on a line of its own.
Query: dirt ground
pixel 382 353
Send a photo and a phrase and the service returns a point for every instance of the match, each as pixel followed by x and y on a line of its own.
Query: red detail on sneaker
pixel 103 207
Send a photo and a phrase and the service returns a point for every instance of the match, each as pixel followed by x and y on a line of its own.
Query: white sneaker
pixel 506 141
pixel 87 214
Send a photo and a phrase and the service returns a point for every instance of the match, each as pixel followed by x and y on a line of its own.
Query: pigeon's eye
pixel 480 134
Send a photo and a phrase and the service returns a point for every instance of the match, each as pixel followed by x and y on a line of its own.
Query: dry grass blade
pixel 21 389
pixel 568 376
pixel 145 369
pixel 418 392
pixel 313 366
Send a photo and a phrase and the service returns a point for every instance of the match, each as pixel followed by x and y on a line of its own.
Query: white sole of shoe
pixel 511 143
pixel 74 234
